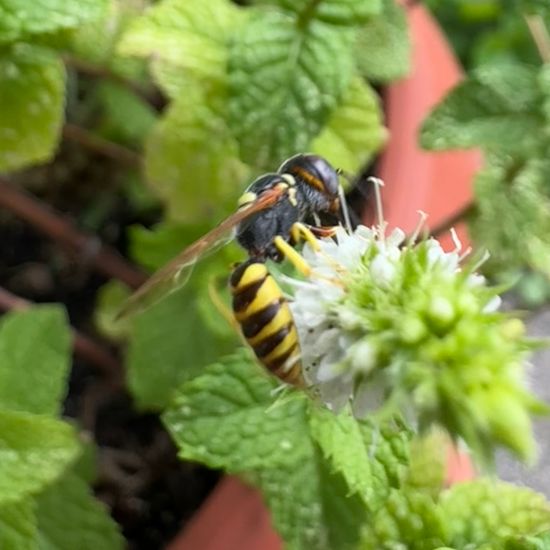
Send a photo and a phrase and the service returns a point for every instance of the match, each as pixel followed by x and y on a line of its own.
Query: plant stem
pixel 102 146
pixel 540 35
pixel 88 247
pixel 83 346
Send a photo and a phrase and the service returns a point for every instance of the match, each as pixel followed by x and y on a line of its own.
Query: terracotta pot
pixel 234 517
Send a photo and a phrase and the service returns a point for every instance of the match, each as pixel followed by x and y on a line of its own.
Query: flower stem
pixel 540 35
pixel 88 247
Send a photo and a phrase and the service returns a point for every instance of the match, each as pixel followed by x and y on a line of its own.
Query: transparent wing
pixel 176 272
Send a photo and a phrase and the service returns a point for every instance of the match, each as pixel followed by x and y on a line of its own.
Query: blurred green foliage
pixel 44 501
pixel 489 31
pixel 502 108
pixel 332 481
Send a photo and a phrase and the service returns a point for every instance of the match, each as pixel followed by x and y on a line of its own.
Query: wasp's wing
pixel 176 273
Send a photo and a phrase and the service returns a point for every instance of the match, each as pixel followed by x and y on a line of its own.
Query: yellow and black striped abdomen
pixel 266 321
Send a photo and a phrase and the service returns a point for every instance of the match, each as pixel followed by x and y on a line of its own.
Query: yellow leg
pixel 221 306
pixel 292 255
pixel 300 231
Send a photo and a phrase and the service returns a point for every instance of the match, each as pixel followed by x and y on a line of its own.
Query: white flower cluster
pixel 332 336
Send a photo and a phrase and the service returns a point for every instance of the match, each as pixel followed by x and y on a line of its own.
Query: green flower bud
pixel 409 325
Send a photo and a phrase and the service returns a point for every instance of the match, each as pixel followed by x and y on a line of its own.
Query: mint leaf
pixel 230 418
pixel 537 542
pixel 34 451
pixel 356 451
pixel 110 299
pixel 177 337
pixel 126 118
pixel 354 131
pixel 187 38
pixel 34 360
pixel 427 469
pixel 70 517
pixel 19 20
pixel 342 443
pixel 32 83
pixel 487 511
pixel 97 40
pixel 540 7
pixel 409 519
pixel 495 108
pixel 279 102
pixel 169 344
pixel 383 48
pixel 226 418
pixel 516 190
pixel 18 526
pixel 310 505
pixel 336 12
pixel 192 159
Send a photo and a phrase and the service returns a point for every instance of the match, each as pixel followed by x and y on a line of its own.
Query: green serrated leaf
pixel 544 86
pixel 186 38
pixel 20 19
pixel 409 519
pixel 126 117
pixel 34 451
pixel 360 452
pixel 35 350
pixel 192 160
pixel 169 344
pixel 32 83
pixel 496 108
pixel 539 7
pixel 18 530
pixel 110 299
pixel 514 190
pixel 487 511
pixel 427 470
pixel 234 398
pixel 336 12
pixel 86 466
pixel 285 79
pixel 96 42
pixel 540 541
pixel 383 45
pixel 354 132
pixel 178 336
pixel 70 517
pixel 342 443
pixel 310 505
pixel 230 418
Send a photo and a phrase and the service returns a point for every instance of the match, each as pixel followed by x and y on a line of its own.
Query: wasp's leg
pixel 308 233
pixel 292 255
pixel 220 305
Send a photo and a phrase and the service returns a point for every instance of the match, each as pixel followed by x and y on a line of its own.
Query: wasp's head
pixel 319 176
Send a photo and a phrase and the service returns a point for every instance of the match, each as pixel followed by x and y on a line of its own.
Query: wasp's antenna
pixel 378 183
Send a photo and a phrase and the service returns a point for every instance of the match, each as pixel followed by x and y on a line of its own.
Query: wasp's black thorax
pixel 256 233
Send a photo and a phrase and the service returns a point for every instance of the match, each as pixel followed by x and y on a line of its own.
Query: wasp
pixel 275 212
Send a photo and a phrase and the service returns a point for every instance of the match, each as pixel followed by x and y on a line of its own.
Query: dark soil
pixel 149 491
